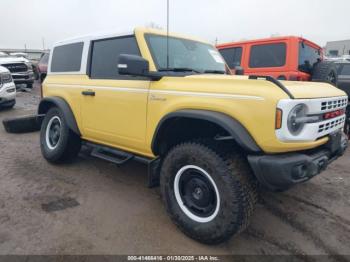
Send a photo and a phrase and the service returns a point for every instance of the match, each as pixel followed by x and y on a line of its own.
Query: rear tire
pixel 58 143
pixel 325 71
pixel 208 196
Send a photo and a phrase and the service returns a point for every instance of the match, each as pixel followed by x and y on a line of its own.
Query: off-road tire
pixel 323 71
pixel 233 178
pixel 68 145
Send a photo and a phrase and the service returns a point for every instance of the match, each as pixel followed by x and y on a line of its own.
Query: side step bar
pixel 115 156
pixel 275 81
pixel 120 157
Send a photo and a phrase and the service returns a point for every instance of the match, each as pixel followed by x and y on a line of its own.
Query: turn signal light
pixel 279 114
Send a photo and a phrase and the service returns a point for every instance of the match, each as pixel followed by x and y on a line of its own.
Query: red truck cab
pixel 285 58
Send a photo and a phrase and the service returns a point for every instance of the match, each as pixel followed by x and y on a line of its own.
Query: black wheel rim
pixel 197 193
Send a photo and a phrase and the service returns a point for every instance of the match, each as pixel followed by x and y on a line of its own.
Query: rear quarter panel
pixel 54 86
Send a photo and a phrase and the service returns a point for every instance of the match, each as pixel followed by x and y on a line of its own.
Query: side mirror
pixel 239 70
pixel 132 65
pixel 135 66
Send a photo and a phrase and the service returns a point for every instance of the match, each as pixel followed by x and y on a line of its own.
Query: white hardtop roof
pixel 109 34
pixel 93 36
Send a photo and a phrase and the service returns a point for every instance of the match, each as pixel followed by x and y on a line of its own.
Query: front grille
pixel 334 104
pixel 15 77
pixel 331 125
pixel 16 68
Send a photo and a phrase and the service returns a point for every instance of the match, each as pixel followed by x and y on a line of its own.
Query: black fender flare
pixel 238 132
pixel 47 102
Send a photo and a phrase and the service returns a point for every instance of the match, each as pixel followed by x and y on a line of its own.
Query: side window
pixel 345 70
pixel 232 56
pixel 308 57
pixel 67 58
pixel 268 55
pixel 105 55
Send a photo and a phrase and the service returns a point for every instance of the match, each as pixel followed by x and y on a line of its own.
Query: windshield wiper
pixel 214 72
pixel 178 69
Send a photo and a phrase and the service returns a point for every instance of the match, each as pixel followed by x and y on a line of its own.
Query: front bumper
pixel 280 172
pixel 23 77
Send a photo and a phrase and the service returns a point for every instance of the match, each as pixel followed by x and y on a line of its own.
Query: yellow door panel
pixel 116 114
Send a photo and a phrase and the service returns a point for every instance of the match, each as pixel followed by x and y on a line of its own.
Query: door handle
pixel 88 93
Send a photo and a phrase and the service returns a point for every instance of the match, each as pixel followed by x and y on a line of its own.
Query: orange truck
pixel 284 58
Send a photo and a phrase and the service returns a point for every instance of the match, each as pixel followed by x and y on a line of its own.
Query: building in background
pixel 338 48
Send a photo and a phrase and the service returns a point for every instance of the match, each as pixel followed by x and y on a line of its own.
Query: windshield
pixel 185 55
pixel 308 57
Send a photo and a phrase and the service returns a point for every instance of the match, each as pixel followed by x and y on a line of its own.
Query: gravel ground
pixel 109 210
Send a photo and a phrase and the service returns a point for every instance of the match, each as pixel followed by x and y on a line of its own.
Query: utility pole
pixel 43 40
pixel 167 34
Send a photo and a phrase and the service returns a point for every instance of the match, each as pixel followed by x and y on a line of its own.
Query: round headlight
pixel 295 125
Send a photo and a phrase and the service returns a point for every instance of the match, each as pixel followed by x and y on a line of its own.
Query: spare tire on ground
pixel 325 71
pixel 24 124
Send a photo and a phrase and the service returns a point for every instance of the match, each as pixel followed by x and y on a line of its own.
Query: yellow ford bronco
pixel 209 138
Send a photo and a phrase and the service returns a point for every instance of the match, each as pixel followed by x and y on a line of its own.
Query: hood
pixel 300 90
pixel 312 89
pixel 4 70
pixel 12 59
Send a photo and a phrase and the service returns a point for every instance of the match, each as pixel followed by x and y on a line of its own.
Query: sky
pixel 32 22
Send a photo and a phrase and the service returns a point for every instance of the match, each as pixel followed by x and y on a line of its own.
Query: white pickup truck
pixel 7 89
pixel 21 69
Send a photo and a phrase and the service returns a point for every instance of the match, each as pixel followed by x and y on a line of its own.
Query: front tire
pixel 208 196
pixel 58 143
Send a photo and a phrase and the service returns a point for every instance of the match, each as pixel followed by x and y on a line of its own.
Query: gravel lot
pixel 113 212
